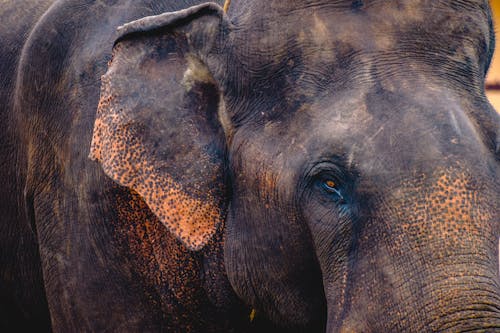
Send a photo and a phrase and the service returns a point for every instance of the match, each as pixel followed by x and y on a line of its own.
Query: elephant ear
pixel 157 130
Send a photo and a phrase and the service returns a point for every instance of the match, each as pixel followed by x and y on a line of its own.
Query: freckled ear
pixel 157 130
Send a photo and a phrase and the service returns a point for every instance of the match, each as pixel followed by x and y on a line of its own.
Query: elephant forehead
pixel 342 44
pixel 285 65
pixel 370 24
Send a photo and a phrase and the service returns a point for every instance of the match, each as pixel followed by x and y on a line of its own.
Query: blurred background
pixel 493 78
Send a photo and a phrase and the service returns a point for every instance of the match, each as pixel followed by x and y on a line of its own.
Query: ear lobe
pixel 157 130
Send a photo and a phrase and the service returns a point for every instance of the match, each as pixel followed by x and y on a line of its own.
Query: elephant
pixel 296 166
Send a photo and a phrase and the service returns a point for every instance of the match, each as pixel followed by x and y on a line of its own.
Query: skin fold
pixel 296 166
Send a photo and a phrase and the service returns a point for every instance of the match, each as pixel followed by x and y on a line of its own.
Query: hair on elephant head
pixel 347 145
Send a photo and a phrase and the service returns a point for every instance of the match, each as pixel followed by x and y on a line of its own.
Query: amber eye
pixel 331 187
pixel 330 184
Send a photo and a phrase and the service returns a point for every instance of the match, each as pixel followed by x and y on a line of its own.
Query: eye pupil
pixel 330 183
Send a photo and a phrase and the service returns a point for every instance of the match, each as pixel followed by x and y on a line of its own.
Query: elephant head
pixel 347 145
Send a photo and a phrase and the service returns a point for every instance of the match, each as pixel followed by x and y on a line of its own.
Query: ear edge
pixel 164 21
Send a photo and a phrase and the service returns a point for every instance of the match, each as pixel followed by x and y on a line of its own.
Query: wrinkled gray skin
pixel 21 287
pixel 359 157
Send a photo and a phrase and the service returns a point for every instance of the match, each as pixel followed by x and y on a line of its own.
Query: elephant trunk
pixel 424 259
pixel 461 298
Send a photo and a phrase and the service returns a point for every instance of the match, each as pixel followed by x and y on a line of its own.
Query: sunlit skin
pixel 252 166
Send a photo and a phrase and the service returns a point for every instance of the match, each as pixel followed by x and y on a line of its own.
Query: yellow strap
pixel 226 5
pixel 252 315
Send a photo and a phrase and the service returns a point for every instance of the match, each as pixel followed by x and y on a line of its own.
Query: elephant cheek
pixel 273 270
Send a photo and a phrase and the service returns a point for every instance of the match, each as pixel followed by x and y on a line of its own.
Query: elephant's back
pixel 17 20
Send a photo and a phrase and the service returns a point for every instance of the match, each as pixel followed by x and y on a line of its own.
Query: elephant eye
pixel 330 186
